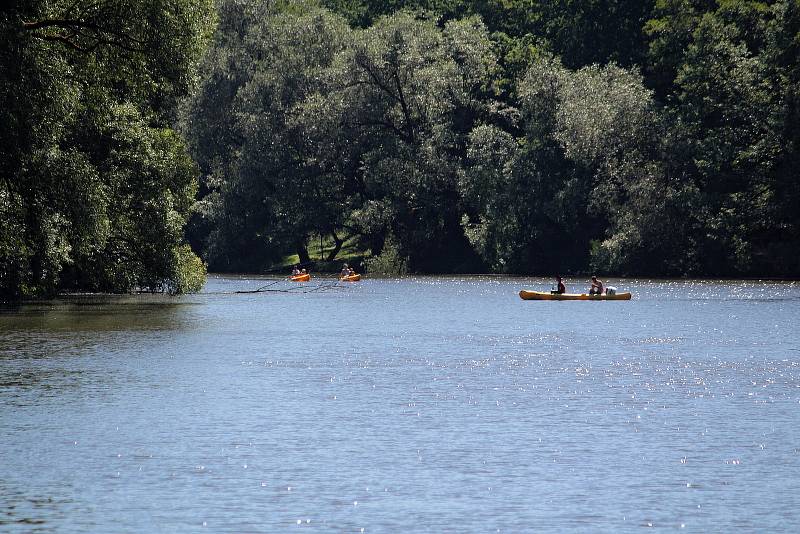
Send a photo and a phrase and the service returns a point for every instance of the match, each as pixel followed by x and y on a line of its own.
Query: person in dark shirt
pixel 561 288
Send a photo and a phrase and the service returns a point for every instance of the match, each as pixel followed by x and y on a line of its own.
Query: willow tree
pixel 337 131
pixel 251 124
pixel 537 201
pixel 416 91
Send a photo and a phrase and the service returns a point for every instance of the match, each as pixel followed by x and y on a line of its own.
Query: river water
pixel 403 405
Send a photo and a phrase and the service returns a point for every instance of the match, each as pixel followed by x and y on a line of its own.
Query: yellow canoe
pixel 351 278
pixel 542 295
pixel 301 277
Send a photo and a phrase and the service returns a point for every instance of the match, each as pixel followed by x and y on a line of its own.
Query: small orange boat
pixel 305 277
pixel 350 278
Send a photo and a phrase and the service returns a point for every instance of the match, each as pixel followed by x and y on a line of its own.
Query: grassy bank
pixel 319 251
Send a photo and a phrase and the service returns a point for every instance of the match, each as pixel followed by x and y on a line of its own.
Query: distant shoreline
pixel 519 276
pixel 570 279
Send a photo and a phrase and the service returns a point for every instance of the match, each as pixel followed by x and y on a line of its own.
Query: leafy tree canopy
pixel 94 185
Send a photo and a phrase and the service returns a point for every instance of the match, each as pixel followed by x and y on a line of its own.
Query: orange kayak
pixel 351 278
pixel 301 277
pixel 542 295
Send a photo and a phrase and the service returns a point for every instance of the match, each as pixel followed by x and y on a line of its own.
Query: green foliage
pixel 94 187
pixel 251 132
pixel 338 131
pixel 730 134
pixel 484 185
pixel 189 271
pixel 593 31
pixel 416 88
pixel 654 137
pixel 539 199
pixel 389 262
pixel 631 137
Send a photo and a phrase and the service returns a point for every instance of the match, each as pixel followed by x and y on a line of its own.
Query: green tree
pixel 417 91
pixel 584 32
pixel 267 178
pixel 544 136
pixel 341 132
pixel 731 118
pixel 80 81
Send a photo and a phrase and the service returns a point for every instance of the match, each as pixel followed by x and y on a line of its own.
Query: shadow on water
pixel 106 313
pixel 47 379
pixel 25 511
pixel 64 348
pixel 76 326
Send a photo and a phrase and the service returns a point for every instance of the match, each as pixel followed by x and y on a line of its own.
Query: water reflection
pixel 57 351
pixel 101 314
pixel 76 326
pixel 24 509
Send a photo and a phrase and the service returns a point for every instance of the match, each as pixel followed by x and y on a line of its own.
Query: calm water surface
pixel 413 405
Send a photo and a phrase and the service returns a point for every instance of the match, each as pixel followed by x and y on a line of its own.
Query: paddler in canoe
pixel 348 274
pixel 597 292
pixel 597 287
pixel 299 275
pixel 560 288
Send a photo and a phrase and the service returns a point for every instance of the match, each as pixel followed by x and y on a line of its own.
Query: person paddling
pixel 296 270
pixel 597 287
pixel 561 287
pixel 346 271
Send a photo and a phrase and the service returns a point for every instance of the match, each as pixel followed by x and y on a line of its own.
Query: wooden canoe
pixel 546 295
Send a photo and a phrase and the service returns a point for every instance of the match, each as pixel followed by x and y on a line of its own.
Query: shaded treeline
pixel 95 185
pixel 653 137
pixel 627 137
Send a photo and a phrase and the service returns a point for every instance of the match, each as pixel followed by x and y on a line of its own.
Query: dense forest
pixel 629 137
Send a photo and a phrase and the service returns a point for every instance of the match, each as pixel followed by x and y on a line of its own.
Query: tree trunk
pixel 376 244
pixel 337 247
pixel 302 252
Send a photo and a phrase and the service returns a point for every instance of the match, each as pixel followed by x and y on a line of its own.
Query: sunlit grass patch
pixel 319 250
